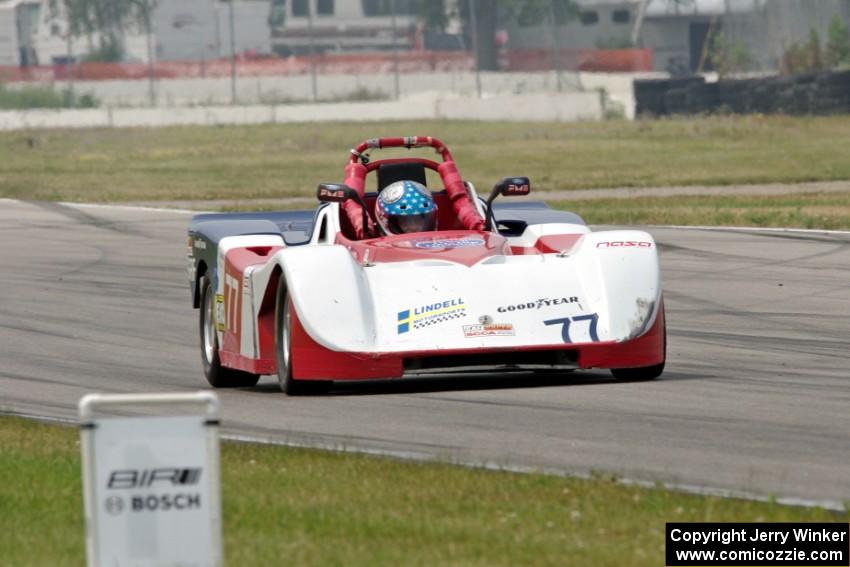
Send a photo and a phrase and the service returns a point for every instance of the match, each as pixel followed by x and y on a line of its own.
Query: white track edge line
pixel 131 208
pixel 422 457
pixel 832 505
pixel 111 206
pixel 750 229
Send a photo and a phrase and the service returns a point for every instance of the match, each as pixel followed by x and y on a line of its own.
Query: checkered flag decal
pixel 439 319
pixel 409 320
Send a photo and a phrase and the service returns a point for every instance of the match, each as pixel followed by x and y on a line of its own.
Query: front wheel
pixel 645 373
pixel 283 349
pixel 638 374
pixel 217 375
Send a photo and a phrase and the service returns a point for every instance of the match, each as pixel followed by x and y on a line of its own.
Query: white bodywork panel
pixel 532 233
pixel 248 290
pixel 345 306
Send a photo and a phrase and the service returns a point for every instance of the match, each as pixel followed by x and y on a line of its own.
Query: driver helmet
pixel 404 207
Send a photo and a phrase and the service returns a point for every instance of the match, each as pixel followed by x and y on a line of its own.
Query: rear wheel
pixel 283 349
pixel 217 375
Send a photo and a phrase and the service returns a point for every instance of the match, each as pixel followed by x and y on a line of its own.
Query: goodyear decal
pixel 433 314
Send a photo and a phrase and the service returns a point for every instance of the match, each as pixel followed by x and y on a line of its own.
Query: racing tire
pixel 217 375
pixel 638 374
pixel 644 373
pixel 283 349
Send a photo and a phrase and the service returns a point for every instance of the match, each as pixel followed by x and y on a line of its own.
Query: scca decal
pixel 624 244
pixel 488 330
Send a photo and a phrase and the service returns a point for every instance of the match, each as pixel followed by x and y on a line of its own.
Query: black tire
pixel 638 374
pixel 217 375
pixel 283 353
pixel 644 373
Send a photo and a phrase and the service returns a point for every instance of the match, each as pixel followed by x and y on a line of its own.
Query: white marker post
pixel 151 483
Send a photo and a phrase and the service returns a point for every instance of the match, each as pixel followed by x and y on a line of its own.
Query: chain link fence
pixel 201 52
pixel 214 52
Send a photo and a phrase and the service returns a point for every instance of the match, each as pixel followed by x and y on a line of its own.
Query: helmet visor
pixel 406 224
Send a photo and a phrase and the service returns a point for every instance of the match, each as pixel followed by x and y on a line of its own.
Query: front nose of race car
pixel 604 291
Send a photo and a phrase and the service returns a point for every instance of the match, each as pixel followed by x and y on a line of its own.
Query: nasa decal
pixel 449 243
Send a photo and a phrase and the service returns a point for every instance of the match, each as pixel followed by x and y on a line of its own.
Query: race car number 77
pixel 566 321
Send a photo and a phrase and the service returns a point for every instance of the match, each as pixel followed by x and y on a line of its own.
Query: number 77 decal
pixel 565 326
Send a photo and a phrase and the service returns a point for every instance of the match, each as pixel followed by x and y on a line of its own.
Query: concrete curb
pixel 544 107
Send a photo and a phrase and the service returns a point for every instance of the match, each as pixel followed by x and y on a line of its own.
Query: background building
pixel 358 25
pixel 33 34
pixel 679 31
pixel 18 23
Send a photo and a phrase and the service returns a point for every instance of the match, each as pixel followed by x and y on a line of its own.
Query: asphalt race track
pixel 756 397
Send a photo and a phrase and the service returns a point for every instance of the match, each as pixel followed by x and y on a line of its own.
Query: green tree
pixel 805 57
pixel 433 13
pixel 728 57
pixel 837 43
pixel 105 22
pixel 814 53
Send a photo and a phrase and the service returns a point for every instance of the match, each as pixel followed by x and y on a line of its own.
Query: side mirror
pixel 335 193
pixel 513 186
pixel 339 193
pixel 509 187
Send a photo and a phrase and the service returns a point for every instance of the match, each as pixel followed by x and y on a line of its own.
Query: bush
pixel 805 57
pixel 43 97
pixel 109 53
pixel 614 43
pixel 727 57
pixel 837 44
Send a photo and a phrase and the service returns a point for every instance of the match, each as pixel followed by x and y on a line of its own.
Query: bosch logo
pixel 114 505
pixel 165 502
pixel 624 244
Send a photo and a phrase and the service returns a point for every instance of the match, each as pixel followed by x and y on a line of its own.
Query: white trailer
pixel 18 21
pixel 9 50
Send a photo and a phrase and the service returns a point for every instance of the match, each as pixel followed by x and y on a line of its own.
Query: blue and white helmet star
pixel 404 207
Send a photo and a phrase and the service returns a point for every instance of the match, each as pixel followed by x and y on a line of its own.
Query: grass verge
pixel 40 97
pixel 272 161
pixel 822 210
pixel 307 507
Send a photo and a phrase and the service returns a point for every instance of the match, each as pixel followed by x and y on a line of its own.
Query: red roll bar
pixel 355 177
pixel 406 142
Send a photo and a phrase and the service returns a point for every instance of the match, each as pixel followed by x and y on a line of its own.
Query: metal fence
pixel 776 26
pixel 198 52
pixel 385 51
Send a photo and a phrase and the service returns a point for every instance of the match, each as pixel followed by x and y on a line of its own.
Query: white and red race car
pixel 319 296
